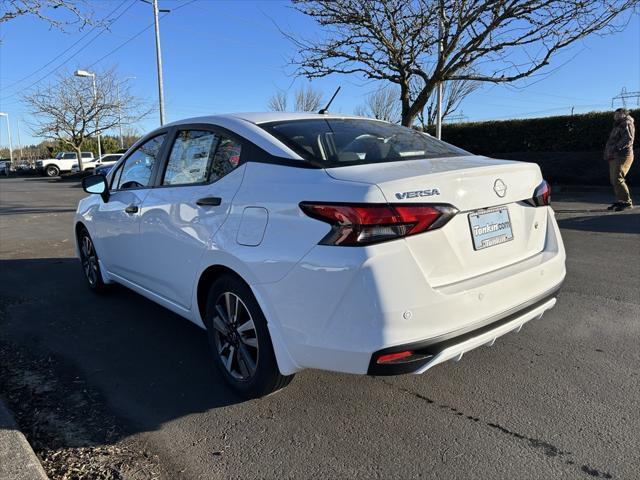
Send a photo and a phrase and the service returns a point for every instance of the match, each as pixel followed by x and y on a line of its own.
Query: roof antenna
pixel 325 110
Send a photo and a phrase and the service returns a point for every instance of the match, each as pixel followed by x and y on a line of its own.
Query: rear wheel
pixel 240 340
pixel 52 171
pixel 89 261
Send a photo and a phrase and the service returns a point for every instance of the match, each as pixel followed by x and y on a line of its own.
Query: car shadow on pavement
pixel 147 364
pixel 71 181
pixel 33 211
pixel 608 223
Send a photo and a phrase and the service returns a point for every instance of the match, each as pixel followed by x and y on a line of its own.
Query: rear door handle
pixel 131 209
pixel 209 201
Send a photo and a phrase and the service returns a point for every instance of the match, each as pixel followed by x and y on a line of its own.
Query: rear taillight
pixel 365 224
pixel 541 195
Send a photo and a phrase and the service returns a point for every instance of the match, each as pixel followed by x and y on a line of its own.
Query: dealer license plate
pixel 489 227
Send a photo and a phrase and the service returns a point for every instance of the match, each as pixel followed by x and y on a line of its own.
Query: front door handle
pixel 209 201
pixel 131 209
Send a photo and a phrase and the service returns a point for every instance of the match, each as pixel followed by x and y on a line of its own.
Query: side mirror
pixel 96 184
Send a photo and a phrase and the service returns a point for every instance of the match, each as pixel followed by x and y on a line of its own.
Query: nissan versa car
pixel 323 241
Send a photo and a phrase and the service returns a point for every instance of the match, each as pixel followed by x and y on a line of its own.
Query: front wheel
pixel 240 340
pixel 52 171
pixel 89 261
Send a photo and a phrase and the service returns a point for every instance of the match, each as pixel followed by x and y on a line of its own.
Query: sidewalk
pixel 17 460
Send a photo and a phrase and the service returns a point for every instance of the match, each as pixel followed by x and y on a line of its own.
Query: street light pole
pixel 95 95
pixel 120 111
pixel 439 93
pixel 84 73
pixel 159 61
pixel 119 116
pixel 19 141
pixel 9 133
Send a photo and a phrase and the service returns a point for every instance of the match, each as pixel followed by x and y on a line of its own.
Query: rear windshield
pixel 335 142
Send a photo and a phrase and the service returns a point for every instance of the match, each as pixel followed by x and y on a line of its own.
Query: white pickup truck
pixel 62 162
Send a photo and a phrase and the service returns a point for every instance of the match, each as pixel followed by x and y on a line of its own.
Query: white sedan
pixel 322 241
pixel 106 160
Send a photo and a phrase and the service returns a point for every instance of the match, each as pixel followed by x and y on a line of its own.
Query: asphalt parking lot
pixel 118 384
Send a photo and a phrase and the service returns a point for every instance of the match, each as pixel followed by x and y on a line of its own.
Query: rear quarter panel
pixel 289 234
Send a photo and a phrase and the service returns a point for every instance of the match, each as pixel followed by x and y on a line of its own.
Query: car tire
pixel 240 341
pixel 52 171
pixel 89 262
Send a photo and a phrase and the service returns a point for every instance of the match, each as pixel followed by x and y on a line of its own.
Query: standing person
pixel 619 153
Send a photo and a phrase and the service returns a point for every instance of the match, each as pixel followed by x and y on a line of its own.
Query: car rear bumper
pixel 340 307
pixel 431 352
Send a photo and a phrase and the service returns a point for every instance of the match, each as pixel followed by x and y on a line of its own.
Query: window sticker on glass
pixel 189 157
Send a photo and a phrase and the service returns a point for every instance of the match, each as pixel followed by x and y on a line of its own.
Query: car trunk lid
pixel 471 184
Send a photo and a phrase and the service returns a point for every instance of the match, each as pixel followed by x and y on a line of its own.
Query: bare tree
pixel 278 101
pixel 383 104
pixel 130 136
pixel 485 40
pixel 308 99
pixel 69 112
pixel 57 13
pixel 453 93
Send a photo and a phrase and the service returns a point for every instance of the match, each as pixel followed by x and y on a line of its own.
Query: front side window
pixel 137 169
pixel 334 142
pixel 190 157
pixel 69 156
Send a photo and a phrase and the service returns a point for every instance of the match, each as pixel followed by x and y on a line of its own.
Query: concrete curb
pixel 17 459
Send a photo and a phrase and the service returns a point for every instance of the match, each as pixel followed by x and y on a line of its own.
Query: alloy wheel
pixel 235 336
pixel 89 260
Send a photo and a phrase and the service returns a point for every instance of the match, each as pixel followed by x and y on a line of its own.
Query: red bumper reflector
pixel 390 357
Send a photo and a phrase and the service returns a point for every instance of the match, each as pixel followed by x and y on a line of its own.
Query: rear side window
pixel 87 155
pixel 201 156
pixel 226 159
pixel 137 169
pixel 190 157
pixel 334 142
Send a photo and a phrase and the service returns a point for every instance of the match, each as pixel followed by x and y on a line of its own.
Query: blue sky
pixel 222 56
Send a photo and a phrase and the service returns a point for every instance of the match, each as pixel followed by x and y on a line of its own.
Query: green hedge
pixel 570 133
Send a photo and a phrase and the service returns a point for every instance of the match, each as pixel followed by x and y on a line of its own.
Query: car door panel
pixel 118 219
pixel 179 217
pixel 175 231
pixel 119 232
